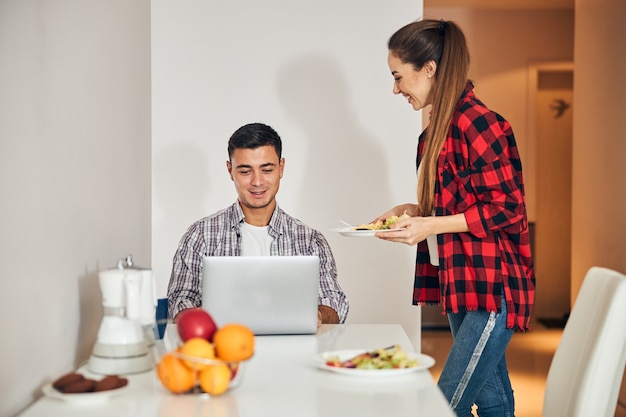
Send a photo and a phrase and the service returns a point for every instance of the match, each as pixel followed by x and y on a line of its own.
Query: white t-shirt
pixel 255 240
pixel 431 240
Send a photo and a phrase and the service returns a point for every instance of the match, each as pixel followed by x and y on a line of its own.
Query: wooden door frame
pixel 531 163
pixel 531 124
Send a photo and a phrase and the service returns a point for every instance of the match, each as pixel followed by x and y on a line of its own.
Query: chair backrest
pixel 587 368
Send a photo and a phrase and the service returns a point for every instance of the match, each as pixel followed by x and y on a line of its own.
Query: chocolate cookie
pixel 85 385
pixel 66 380
pixel 109 382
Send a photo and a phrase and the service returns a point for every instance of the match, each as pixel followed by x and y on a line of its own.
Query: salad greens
pixel 388 358
pixel 382 225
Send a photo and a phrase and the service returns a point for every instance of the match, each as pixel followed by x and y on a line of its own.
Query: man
pixel 253 225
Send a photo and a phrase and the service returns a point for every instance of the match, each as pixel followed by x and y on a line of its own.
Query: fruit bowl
pixel 195 356
pixel 181 373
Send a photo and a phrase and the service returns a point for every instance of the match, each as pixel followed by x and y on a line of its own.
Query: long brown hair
pixel 443 42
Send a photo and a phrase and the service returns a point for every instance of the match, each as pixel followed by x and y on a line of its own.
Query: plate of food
pixel 392 360
pixel 356 232
pixel 77 388
pixel 370 229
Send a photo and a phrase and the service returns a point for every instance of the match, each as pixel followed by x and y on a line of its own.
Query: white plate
pixel 84 397
pixel 320 359
pixel 350 232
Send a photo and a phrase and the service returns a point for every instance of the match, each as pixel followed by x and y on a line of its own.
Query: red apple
pixel 195 322
pixel 234 368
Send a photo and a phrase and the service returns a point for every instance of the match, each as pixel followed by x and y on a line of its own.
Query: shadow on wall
pixel 348 177
pixel 179 173
pixel 344 176
pixel 91 313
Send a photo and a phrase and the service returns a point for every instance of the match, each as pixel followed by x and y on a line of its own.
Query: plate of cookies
pixel 78 388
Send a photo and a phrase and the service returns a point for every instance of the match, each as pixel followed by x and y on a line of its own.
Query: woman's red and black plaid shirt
pixel 479 174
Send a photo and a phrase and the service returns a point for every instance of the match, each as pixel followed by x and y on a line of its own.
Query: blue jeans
pixel 475 371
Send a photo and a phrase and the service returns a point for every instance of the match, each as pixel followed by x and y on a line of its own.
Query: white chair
pixel 587 368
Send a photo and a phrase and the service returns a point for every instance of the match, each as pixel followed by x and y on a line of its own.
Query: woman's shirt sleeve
pixel 486 172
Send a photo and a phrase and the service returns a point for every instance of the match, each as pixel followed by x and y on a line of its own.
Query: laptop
pixel 269 294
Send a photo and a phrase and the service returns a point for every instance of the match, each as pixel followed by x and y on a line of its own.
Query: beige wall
pixel 74 177
pixel 507 46
pixel 504 44
pixel 599 192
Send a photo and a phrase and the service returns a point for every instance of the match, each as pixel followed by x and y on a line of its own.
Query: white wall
pixel 317 72
pixel 74 177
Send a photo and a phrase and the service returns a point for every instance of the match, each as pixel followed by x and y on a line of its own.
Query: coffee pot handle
pixel 132 281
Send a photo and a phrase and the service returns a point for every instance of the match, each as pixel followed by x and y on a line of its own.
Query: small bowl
pixel 160 350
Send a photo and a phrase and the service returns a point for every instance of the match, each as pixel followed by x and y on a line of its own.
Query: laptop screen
pixel 269 294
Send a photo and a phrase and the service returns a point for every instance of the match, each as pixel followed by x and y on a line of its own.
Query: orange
pixel 197 347
pixel 174 375
pixel 214 379
pixel 234 342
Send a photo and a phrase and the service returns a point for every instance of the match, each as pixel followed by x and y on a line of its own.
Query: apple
pixel 195 322
pixel 234 368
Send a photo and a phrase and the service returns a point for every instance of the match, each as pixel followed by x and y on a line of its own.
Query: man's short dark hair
pixel 254 135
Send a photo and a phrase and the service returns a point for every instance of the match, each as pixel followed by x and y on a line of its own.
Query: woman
pixel 469 224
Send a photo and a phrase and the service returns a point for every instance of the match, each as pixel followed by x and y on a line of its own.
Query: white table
pixel 280 381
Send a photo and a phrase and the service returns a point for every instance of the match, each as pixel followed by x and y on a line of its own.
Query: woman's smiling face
pixel 413 84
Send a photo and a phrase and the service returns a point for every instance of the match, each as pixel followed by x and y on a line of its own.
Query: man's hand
pixel 326 315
